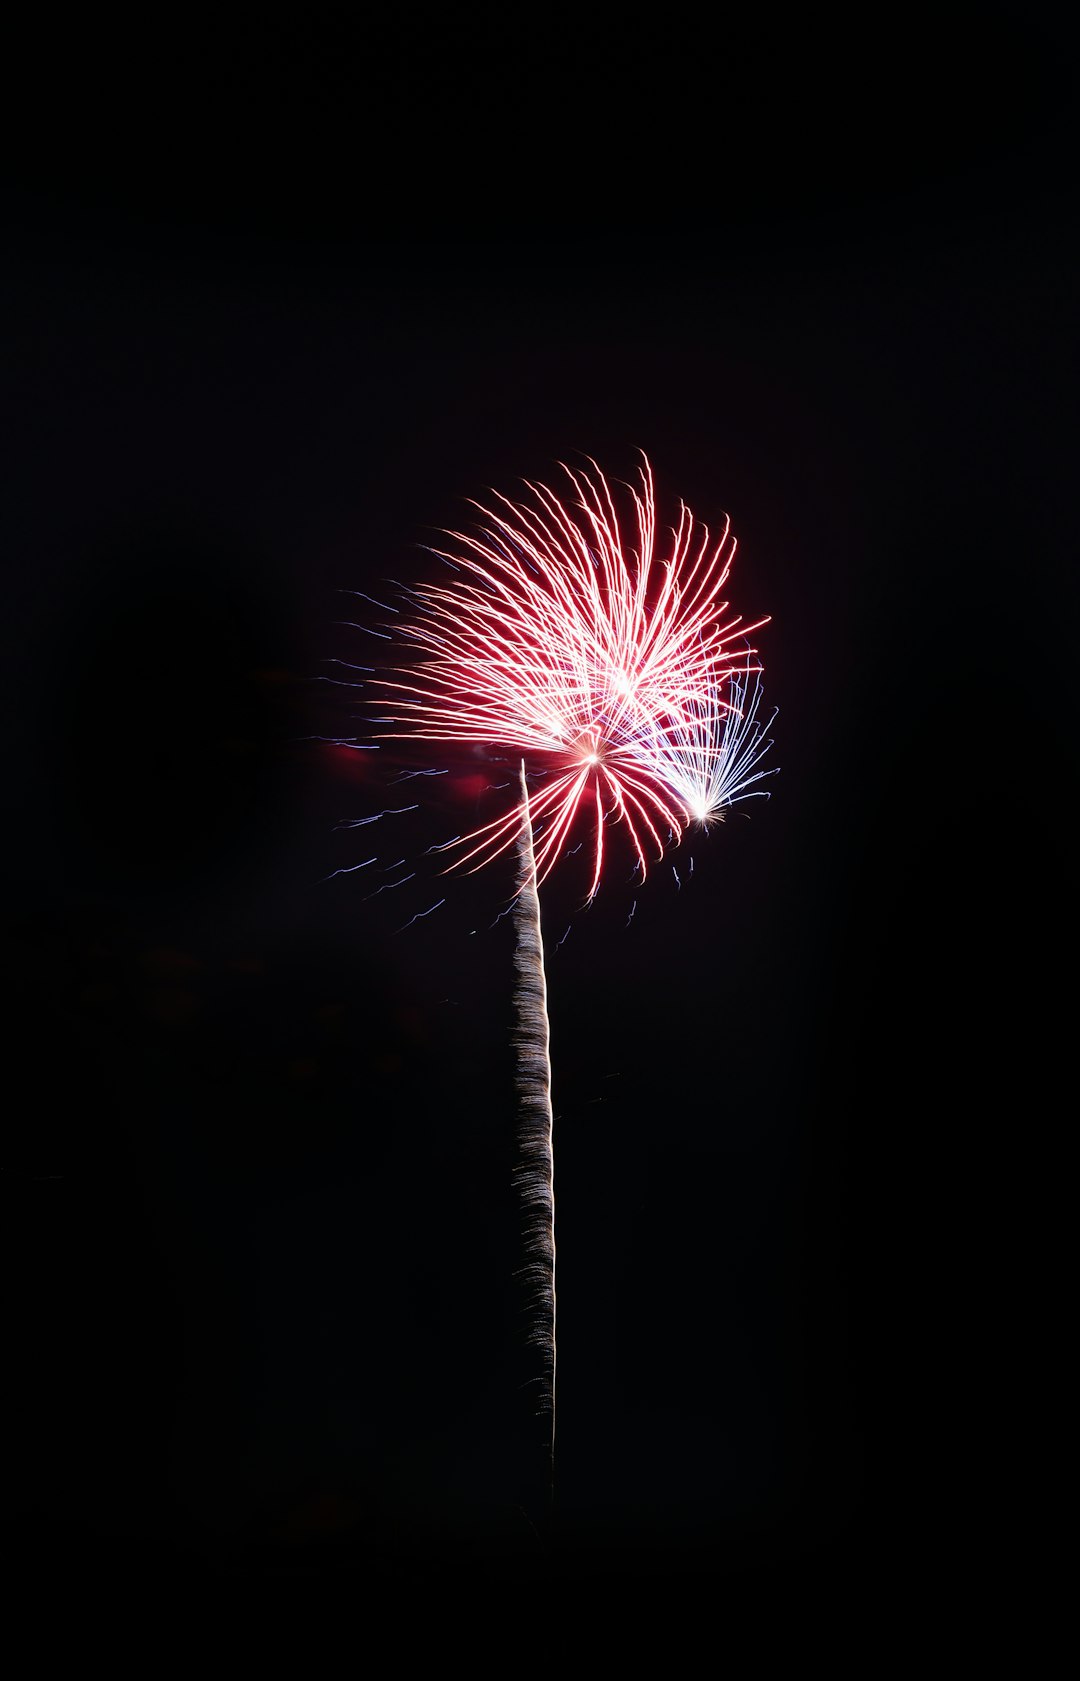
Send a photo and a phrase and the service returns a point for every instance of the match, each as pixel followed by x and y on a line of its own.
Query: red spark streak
pixel 578 650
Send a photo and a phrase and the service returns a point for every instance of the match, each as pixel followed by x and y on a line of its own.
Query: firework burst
pixel 602 655
pixel 597 648
pixel 708 754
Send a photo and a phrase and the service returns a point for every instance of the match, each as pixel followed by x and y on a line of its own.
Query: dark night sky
pixel 273 305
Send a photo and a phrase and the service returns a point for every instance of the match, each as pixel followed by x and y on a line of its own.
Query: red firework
pixel 596 649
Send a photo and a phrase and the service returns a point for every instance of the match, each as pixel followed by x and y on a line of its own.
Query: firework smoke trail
pixel 534 1174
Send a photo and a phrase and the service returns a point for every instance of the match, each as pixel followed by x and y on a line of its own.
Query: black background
pixel 276 300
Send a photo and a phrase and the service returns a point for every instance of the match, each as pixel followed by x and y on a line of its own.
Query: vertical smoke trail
pixel 534 1174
